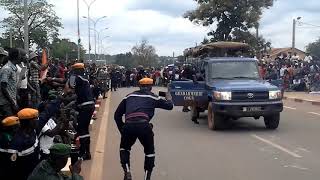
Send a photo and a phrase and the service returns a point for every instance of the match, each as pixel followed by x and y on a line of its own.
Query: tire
pixel 215 120
pixel 272 122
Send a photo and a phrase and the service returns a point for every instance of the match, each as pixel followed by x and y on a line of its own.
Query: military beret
pixel 60 149
pixel 146 81
pixel 10 121
pixel 28 113
pixel 78 66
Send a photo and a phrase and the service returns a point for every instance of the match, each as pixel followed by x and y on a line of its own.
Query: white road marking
pixel 98 157
pixel 314 113
pixel 277 146
pixel 296 166
pixel 290 107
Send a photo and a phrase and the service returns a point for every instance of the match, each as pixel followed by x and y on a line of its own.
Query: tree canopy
pixel 314 48
pixel 228 15
pixel 144 53
pixel 43 22
pixel 65 49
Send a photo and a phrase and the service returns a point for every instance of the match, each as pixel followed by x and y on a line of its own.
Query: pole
pixel 95 42
pixel 89 32
pixel 294 34
pixel 26 28
pixel 173 57
pixel 79 40
pixel 10 34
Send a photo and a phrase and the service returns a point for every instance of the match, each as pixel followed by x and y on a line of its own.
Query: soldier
pixel 51 169
pixel 138 108
pixel 25 142
pixel 8 128
pixel 85 101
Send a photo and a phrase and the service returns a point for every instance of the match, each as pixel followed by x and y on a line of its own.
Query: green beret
pixel 60 149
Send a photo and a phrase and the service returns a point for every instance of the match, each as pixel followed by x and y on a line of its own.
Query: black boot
pixel 87 155
pixel 147 175
pixel 127 173
pixel 127 176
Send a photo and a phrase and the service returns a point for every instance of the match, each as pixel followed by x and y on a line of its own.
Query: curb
pixel 300 100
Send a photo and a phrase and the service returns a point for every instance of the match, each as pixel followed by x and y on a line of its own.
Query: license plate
pixel 251 109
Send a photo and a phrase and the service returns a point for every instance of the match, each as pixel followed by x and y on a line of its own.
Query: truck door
pixel 188 92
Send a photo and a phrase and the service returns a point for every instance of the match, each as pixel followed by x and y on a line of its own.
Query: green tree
pixel 145 54
pixel 125 60
pixel 259 45
pixel 43 22
pixel 65 49
pixel 228 15
pixel 314 48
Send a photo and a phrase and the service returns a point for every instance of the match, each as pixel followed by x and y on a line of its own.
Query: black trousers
pixel 132 132
pixel 6 111
pixel 84 118
pixel 24 98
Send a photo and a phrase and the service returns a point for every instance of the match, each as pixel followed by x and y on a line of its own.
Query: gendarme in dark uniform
pixel 85 102
pixel 138 108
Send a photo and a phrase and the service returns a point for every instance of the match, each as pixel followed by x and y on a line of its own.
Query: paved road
pixel 247 151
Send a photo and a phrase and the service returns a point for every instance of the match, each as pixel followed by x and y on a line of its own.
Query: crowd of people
pixel 295 74
pixel 45 112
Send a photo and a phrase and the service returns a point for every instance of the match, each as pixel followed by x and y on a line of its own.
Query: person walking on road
pixel 138 108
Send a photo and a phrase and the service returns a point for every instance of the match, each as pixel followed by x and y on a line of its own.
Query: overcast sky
pixel 161 22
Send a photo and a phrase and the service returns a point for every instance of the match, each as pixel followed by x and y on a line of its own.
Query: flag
pixel 44 61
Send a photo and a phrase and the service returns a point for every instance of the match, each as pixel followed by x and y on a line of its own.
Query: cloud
pixel 277 23
pixel 170 7
pixel 161 22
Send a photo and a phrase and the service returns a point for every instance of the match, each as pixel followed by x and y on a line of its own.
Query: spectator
pixel 308 58
pixel 23 93
pixel 8 91
pixel 35 69
pixel 3 55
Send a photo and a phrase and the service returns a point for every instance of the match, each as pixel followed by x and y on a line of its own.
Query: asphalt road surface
pixel 246 151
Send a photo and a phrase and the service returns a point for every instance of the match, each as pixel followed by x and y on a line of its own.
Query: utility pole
pixel 95 35
pixel 89 6
pixel 173 57
pixel 294 31
pixel 10 35
pixel 79 40
pixel 26 27
pixel 294 34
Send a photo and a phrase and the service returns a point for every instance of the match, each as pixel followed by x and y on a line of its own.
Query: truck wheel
pixel 272 122
pixel 215 121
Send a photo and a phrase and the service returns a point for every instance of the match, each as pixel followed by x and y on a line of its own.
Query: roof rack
pixel 219 49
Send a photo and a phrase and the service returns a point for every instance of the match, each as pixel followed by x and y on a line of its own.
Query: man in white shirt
pixel 282 70
pixel 22 85
pixel 308 58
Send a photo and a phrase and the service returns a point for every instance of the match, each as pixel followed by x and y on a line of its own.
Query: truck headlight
pixel 222 96
pixel 275 94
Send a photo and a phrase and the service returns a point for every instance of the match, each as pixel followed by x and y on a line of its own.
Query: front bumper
pixel 236 109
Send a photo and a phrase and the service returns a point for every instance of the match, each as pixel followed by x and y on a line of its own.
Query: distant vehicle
pixel 232 88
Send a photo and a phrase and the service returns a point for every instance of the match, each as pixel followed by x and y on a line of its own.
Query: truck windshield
pixel 234 70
